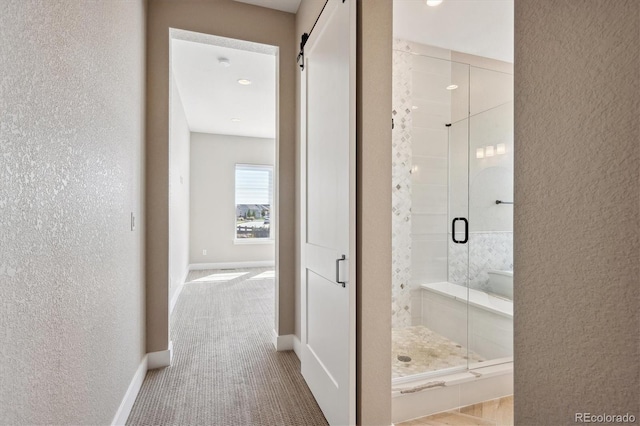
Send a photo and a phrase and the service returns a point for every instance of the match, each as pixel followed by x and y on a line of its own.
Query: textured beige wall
pixel 213 196
pixel 71 143
pixel 179 191
pixel 374 212
pixel 577 250
pixel 225 18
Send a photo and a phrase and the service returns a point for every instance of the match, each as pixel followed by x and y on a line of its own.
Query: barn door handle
pixel 344 283
pixel 466 230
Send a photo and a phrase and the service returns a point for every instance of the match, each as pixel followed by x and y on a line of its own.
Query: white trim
pixel 297 346
pixel 130 396
pixel 160 359
pixel 282 343
pixel 178 290
pixel 232 265
pixel 429 396
pixel 250 241
pixel 231 43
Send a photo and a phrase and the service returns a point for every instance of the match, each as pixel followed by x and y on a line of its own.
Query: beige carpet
pixel 225 370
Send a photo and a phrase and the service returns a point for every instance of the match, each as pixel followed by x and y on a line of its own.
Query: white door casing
pixel 328 202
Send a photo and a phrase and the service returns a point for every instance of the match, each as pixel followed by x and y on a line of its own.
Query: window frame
pixel 254 240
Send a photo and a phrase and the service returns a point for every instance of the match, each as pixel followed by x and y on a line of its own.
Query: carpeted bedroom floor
pixel 225 370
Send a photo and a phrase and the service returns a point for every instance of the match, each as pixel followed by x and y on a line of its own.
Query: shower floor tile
pixel 427 351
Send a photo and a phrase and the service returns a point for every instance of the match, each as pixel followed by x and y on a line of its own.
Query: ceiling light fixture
pixel 224 62
pixel 244 82
pixel 452 87
pixel 235 120
pixel 433 2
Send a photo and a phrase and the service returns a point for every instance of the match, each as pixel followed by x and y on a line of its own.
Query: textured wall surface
pixel 179 191
pixel 373 234
pixel 213 197
pixel 71 134
pixel 225 18
pixel 577 248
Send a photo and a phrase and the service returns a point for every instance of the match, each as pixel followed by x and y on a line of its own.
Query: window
pixel 254 194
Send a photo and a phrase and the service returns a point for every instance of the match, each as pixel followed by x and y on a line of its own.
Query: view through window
pixel 254 194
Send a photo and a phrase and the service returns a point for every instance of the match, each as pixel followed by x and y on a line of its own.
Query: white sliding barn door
pixel 328 212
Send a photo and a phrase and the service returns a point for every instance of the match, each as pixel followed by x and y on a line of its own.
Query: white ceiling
pixel 211 95
pixel 290 6
pixel 478 27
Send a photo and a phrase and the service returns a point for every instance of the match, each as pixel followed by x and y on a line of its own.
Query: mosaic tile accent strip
pixel 401 190
pixel 490 250
pixel 418 349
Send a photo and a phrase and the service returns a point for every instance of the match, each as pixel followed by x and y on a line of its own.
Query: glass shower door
pixel 439 182
pixel 490 203
pixel 445 295
pixel 458 202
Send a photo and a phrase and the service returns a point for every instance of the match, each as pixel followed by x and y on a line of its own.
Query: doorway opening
pixel 452 183
pixel 223 168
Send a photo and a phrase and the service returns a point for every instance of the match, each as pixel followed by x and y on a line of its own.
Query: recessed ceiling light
pixel 244 82
pixel 235 120
pixel 452 87
pixel 433 2
pixel 414 107
pixel 224 62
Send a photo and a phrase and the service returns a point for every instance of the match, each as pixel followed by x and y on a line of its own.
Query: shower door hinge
pixel 393 125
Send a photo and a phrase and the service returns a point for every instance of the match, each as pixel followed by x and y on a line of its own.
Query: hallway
pixel 225 370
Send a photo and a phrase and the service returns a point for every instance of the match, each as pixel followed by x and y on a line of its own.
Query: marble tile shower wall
pixel 487 250
pixel 421 107
pixel 401 191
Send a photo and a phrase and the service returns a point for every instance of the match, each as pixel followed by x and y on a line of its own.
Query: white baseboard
pixel 231 265
pixel 160 359
pixel 175 296
pixel 130 396
pixel 297 347
pixel 176 293
pixel 282 343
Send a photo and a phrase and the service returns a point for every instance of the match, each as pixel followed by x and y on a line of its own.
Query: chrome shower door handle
pixel 344 283
pixel 466 230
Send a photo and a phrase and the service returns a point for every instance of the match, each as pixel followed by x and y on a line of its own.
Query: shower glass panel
pixel 452 159
pixel 490 269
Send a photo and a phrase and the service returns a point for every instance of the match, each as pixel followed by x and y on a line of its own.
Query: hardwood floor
pixel 497 412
